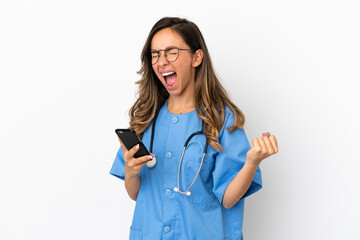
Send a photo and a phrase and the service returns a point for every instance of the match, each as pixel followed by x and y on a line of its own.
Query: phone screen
pixel 129 138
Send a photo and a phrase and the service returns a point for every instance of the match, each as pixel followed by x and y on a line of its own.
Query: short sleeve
pixel 231 159
pixel 118 167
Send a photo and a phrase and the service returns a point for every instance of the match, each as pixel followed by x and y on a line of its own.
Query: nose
pixel 162 60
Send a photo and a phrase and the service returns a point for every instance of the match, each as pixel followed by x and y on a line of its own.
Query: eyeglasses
pixel 171 54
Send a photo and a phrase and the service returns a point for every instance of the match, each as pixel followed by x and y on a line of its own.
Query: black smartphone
pixel 129 138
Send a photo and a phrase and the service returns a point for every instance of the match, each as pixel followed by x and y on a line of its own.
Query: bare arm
pixel 239 185
pixel 132 185
pixel 263 147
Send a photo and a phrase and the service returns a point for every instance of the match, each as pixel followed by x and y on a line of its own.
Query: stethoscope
pixel 153 162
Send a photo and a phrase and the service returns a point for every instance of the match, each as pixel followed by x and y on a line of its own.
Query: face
pixel 178 77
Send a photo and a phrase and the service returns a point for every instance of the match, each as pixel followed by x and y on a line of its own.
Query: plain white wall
pixel 67 71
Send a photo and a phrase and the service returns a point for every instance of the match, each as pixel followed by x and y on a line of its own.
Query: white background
pixel 67 71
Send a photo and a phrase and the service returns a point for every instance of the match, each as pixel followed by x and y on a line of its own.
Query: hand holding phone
pixel 130 139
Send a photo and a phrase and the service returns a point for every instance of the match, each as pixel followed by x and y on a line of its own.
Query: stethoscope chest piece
pixel 151 163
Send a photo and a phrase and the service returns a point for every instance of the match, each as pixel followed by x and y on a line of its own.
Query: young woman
pixel 197 188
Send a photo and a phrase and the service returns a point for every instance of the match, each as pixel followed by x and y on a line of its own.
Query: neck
pixel 181 104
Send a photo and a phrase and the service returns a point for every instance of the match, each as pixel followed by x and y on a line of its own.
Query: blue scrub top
pixel 161 213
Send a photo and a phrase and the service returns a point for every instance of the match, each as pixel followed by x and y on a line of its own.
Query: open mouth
pixel 170 78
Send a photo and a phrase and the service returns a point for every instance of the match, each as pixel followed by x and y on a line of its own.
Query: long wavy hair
pixel 210 96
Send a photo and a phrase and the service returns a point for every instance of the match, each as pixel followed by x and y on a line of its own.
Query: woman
pixel 186 195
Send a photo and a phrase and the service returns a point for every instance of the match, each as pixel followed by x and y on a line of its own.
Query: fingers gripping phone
pixel 129 138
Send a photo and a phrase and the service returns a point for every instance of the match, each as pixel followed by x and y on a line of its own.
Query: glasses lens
pixel 172 54
pixel 154 57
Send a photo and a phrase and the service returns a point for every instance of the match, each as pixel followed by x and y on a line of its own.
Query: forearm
pixel 239 185
pixel 132 185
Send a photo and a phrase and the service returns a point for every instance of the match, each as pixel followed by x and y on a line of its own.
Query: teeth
pixel 167 74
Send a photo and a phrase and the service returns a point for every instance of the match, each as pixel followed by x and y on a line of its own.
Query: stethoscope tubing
pixel 177 189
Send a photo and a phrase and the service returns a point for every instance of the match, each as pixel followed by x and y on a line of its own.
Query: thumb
pixel 134 149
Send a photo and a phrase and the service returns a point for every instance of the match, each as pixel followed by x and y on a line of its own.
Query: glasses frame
pixel 167 49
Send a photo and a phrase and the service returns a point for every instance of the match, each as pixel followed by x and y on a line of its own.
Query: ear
pixel 198 57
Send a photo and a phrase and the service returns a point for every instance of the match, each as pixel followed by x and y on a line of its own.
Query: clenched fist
pixel 263 147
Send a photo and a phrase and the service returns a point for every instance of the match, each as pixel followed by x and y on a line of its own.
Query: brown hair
pixel 210 98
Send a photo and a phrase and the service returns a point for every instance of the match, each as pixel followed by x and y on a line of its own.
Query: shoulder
pixel 229 118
